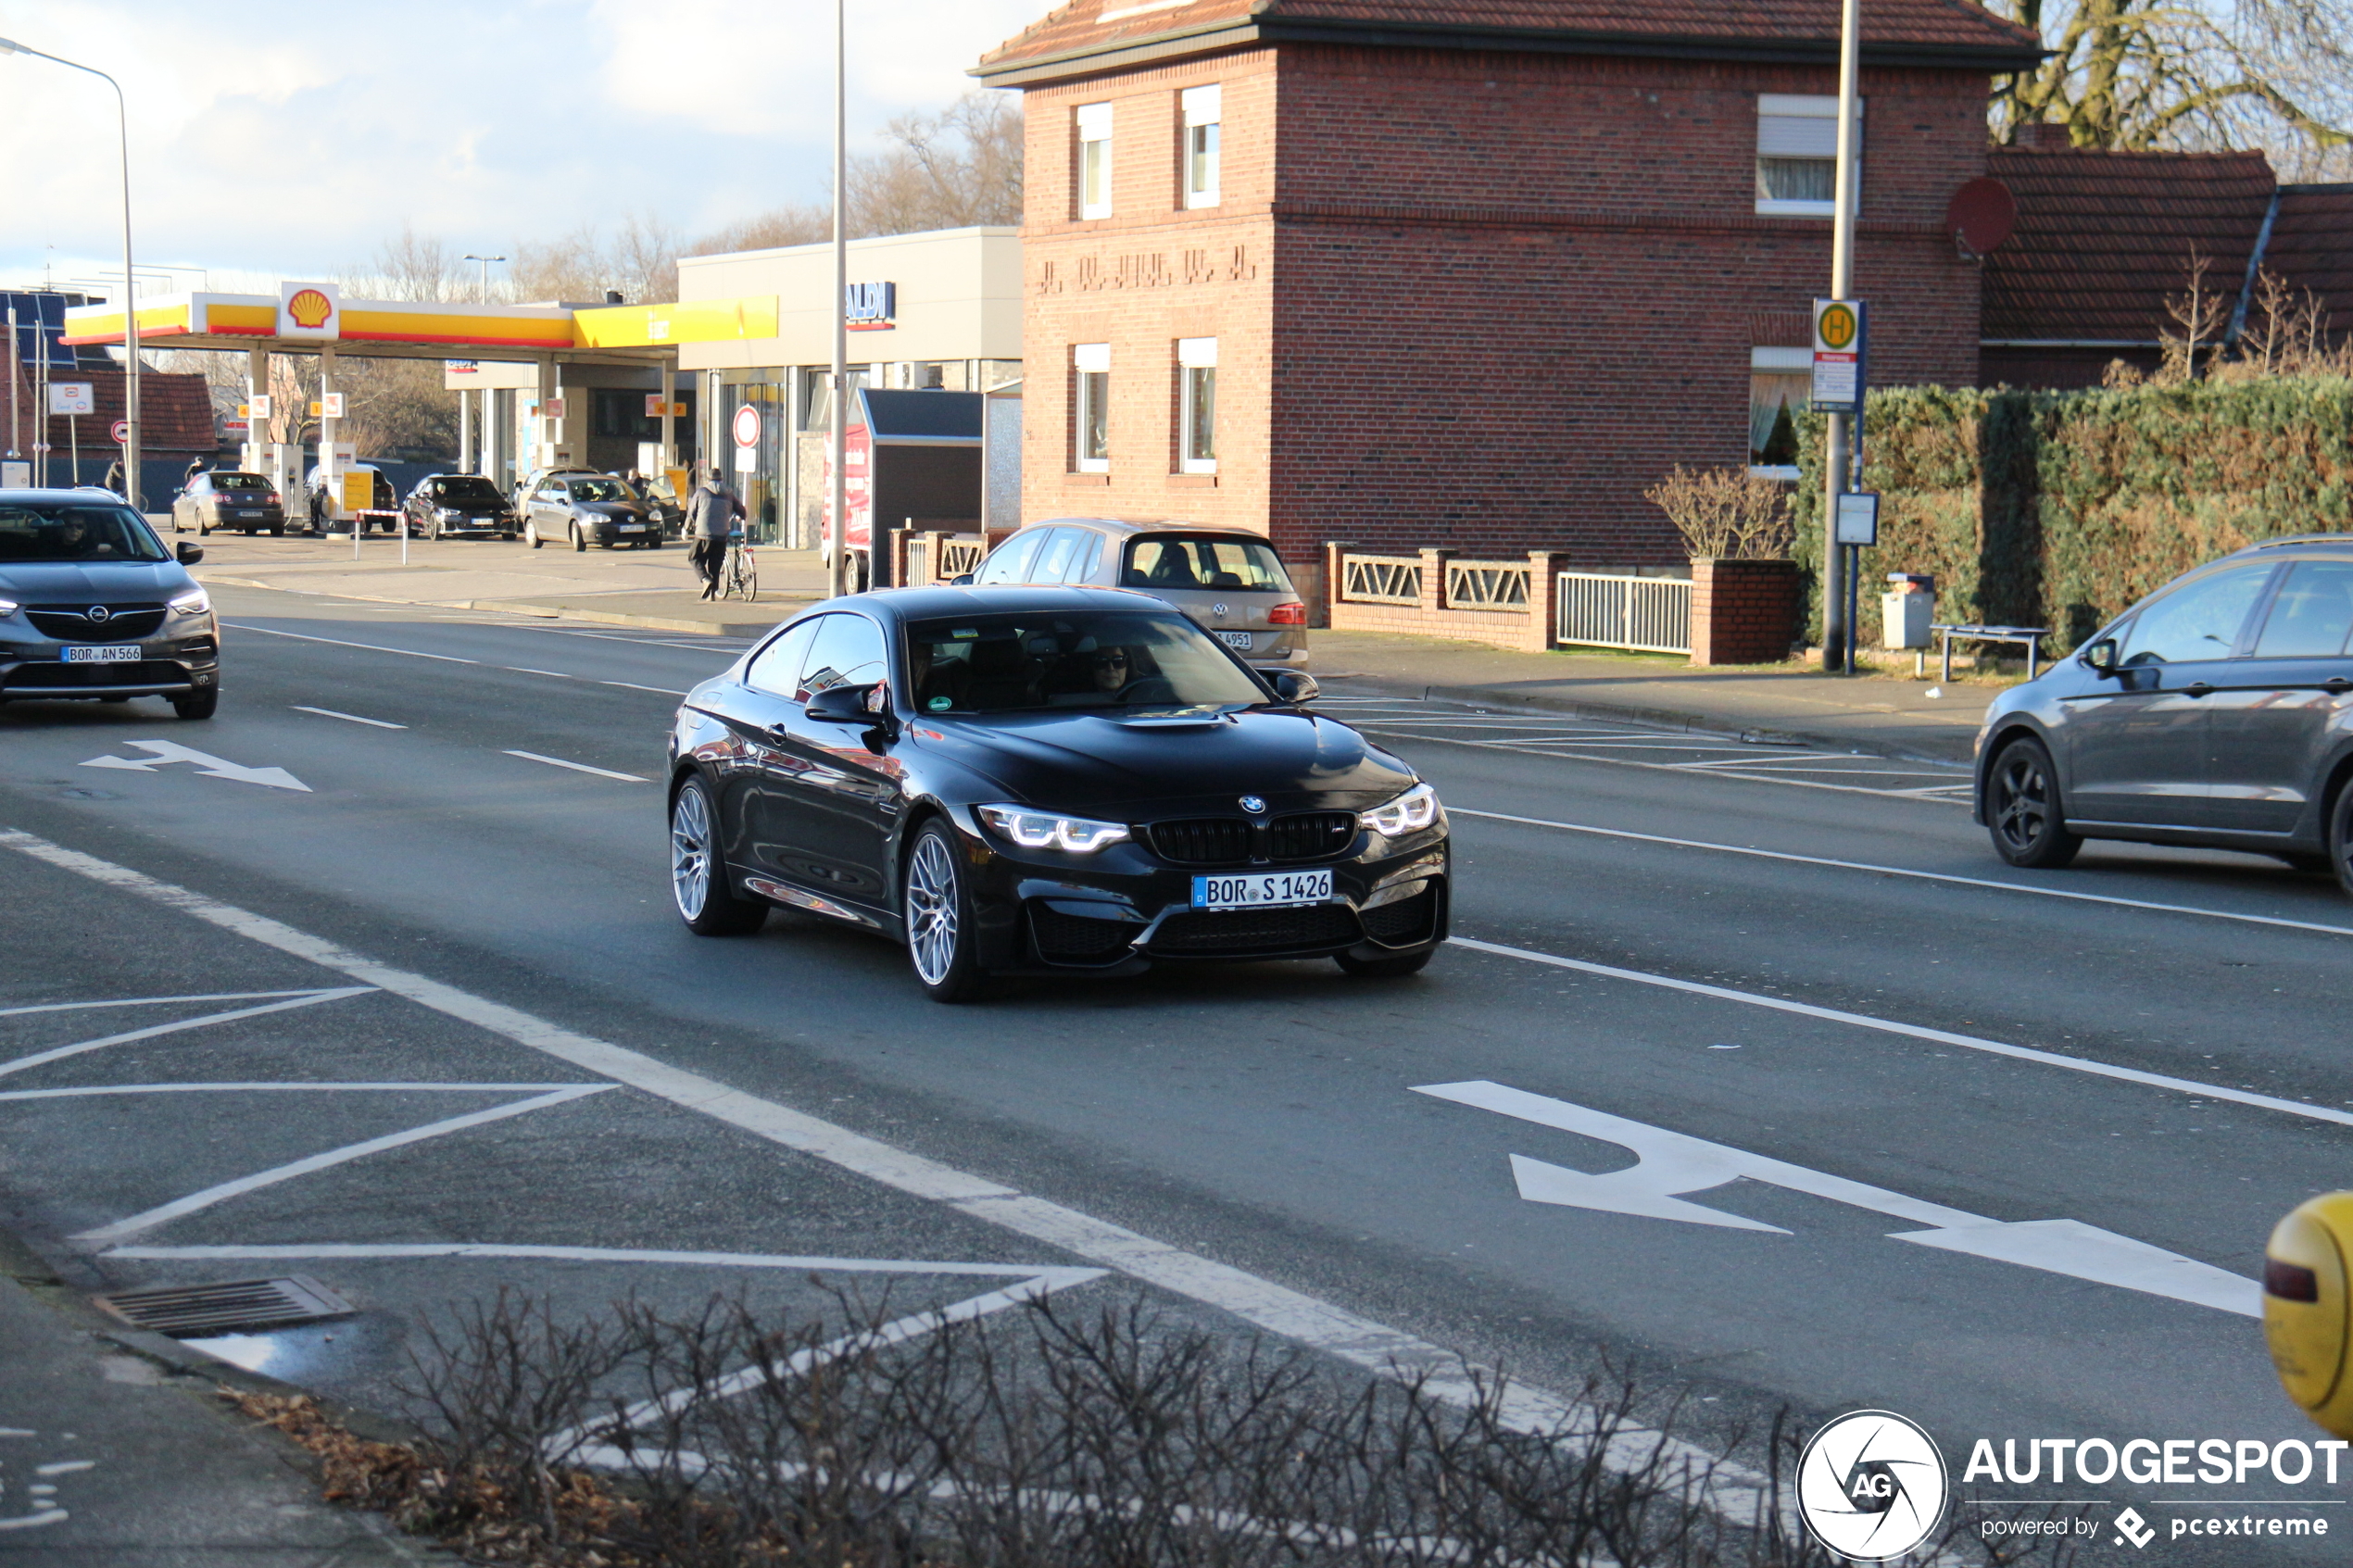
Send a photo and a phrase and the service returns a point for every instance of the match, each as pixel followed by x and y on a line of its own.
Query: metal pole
pixel 839 439
pixel 16 370
pixel 1837 629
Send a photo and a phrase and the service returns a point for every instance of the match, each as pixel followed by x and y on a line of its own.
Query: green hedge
pixel 2061 509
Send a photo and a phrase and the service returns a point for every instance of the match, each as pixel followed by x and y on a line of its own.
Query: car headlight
pixel 1041 830
pixel 1410 812
pixel 192 602
pixel 7 606
pixel 445 514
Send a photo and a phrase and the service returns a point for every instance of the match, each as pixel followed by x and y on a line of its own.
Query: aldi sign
pixel 870 308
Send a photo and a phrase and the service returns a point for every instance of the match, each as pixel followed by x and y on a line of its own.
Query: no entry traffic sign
pixel 121 432
pixel 748 426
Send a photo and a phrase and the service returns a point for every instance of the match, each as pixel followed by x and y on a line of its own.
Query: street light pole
pixel 1836 565
pixel 483 292
pixel 130 291
pixel 837 570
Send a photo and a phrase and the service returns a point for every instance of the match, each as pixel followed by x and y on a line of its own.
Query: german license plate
pixel 122 653
pixel 633 528
pixel 1261 890
pixel 1239 641
pixel 479 521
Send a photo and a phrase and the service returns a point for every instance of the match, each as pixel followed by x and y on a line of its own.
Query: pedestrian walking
pixel 113 478
pixel 195 466
pixel 712 514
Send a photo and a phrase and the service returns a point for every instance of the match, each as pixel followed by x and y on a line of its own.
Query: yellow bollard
pixel 2305 1309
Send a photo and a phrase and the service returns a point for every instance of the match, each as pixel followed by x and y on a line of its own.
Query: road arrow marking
pixel 164 752
pixel 1667 1164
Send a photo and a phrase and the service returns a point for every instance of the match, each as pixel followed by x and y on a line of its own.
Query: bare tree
pixel 410 266
pixel 2138 74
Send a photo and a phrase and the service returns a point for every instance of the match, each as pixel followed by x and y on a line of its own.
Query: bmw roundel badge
pixel 1254 804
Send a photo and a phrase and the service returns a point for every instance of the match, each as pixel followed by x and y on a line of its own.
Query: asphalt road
pixel 1798 986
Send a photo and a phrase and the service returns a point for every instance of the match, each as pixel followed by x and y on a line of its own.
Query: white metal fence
pixel 1645 614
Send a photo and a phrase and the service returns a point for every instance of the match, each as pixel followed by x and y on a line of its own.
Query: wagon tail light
pixel 1291 614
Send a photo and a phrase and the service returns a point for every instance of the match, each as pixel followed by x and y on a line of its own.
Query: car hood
pixel 627 511
pixel 68 581
pixel 1142 765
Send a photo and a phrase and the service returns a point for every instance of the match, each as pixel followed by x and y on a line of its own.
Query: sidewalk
pixel 1880 714
pixel 114 1452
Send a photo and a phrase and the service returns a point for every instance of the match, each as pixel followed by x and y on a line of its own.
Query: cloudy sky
pixel 284 138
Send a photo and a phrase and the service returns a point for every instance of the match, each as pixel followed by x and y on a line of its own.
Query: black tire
pixel 579 541
pixel 699 884
pixel 2341 838
pixel 277 530
pixel 203 528
pixel 198 704
pixel 530 532
pixel 936 899
pixel 1384 969
pixel 2025 814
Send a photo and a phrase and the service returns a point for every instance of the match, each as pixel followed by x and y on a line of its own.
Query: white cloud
pixel 284 138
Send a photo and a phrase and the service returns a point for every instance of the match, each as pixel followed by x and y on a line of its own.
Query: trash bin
pixel 1906 610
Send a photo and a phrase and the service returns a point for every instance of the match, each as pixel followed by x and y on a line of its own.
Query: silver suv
pixel 1228 580
pixel 93 606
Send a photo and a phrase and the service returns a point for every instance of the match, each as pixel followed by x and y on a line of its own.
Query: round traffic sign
pixel 122 432
pixel 748 426
pixel 1838 326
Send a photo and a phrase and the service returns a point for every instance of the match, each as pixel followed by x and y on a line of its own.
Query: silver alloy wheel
pixel 931 909
pixel 690 852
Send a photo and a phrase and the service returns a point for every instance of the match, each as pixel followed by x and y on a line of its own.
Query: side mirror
pixel 963 581
pixel 188 555
pixel 1294 686
pixel 2100 657
pixel 843 705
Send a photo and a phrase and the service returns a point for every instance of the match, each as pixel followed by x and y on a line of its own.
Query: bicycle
pixel 741 573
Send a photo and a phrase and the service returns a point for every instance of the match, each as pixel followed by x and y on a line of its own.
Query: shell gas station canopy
pixel 306 318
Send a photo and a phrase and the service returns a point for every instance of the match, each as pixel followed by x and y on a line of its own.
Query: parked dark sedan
pixel 584 509
pixel 2219 711
pixel 1045 780
pixel 225 498
pixel 447 505
pixel 93 606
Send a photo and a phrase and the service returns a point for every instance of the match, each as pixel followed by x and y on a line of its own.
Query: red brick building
pixel 1413 272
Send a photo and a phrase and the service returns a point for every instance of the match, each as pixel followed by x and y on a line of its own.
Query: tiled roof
pixel 2311 247
pixel 2103 238
pixel 1098 34
pixel 175 413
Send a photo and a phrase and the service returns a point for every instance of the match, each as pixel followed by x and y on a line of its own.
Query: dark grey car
pixel 2217 712
pixel 584 509
pixel 94 606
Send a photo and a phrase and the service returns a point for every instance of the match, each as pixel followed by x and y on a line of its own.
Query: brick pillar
pixel 1743 611
pixel 1320 611
pixel 1434 580
pixel 1544 568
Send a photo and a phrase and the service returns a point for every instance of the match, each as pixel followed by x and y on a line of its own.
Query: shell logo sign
pixel 310 310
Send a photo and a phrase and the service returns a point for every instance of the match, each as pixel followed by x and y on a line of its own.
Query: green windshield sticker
pixel 965 631
pixel 941 703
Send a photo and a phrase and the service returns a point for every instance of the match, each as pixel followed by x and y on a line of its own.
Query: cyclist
pixel 711 515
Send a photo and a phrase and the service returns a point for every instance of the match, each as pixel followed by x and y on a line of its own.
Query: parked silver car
pixel 1228 580
pixel 92 605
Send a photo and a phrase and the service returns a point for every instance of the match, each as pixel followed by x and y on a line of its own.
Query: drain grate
pixel 192 1311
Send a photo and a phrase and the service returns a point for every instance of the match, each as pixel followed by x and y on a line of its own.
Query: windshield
pixel 1111 659
pixel 472 487
pixel 601 490
pixel 77 531
pixel 1163 561
pixel 239 481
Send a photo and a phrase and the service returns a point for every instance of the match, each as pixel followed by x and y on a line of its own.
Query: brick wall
pixel 1469 300
pixel 1743 611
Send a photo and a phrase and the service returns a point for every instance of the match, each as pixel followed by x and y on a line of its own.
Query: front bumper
pixel 177 666
pixel 1122 909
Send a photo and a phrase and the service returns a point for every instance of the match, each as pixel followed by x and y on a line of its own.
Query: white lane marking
pixel 1733 1490
pixel 273 1086
pixel 163 753
pixel 633 686
pixel 64 1466
pixel 350 718
pixel 27 1521
pixel 220 1192
pixel 338 642
pixel 1667 1164
pixel 1921 1032
pixel 1059 1273
pixel 579 767
pixel 520 670
pixel 151 1001
pixel 1953 878
pixel 59 1053
pixel 1657 767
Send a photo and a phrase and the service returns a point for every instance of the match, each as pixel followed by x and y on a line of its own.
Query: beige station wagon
pixel 1228 580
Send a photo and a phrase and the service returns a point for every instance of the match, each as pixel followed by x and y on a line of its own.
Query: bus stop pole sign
pixel 1841 335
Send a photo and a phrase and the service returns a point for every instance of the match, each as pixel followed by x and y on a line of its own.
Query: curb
pixel 615 618
pixel 1712 726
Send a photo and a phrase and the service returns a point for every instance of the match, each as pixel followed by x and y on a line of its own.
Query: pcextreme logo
pixel 1871 1485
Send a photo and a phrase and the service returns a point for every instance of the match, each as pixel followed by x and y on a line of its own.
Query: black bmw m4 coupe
pixel 1045 780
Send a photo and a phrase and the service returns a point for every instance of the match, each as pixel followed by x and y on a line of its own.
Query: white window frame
pixel 1087 362
pixel 1783 362
pixel 1803 125
pixel 1203 118
pixel 1094 148
pixel 1195 355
